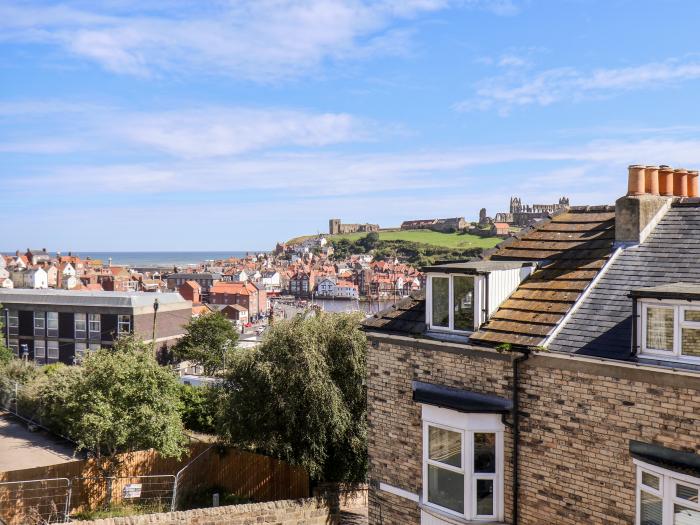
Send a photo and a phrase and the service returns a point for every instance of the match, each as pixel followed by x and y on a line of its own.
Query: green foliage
pixel 209 341
pixel 119 400
pixel 198 408
pixel 415 253
pixel 124 401
pixel 300 396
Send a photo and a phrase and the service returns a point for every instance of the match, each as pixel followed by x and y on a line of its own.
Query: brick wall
pixel 311 511
pixel 577 419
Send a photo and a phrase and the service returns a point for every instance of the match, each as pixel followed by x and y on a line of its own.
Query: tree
pixel 300 396
pixel 120 401
pixel 198 408
pixel 6 354
pixel 209 341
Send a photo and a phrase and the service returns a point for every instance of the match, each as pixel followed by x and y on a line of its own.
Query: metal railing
pixel 35 502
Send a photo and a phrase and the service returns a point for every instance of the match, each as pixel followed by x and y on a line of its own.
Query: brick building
pixel 557 382
pixel 60 325
pixel 245 294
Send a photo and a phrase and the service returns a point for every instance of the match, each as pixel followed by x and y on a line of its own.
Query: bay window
pixel 463 463
pixel 666 497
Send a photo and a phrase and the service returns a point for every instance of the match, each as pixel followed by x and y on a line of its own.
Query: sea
pixel 160 259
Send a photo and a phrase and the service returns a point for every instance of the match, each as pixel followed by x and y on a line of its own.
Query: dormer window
pixel 668 324
pixel 461 296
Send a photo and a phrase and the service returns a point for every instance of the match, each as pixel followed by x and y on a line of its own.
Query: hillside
pixel 429 237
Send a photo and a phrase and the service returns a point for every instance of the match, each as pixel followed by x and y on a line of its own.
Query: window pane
pixel 650 509
pixel 690 342
pixel 650 480
pixel 441 301
pixel 445 446
pixel 687 493
pixel 660 329
pixel 484 452
pixel 464 303
pixel 685 516
pixel 692 315
pixel 484 497
pixel 446 488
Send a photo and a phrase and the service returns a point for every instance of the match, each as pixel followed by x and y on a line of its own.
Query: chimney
pixel 680 182
pixel 665 181
pixel 693 184
pixel 637 213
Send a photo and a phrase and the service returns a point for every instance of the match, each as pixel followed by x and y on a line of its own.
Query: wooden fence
pixel 250 476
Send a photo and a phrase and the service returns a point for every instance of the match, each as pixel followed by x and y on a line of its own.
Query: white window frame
pixel 467 424
pixel 12 322
pixel 429 302
pixel 668 480
pixel 13 344
pixel 94 319
pixel 679 308
pixel 79 353
pixel 84 330
pixel 40 316
pixel 40 358
pixel 52 347
pixel 51 332
pixel 121 323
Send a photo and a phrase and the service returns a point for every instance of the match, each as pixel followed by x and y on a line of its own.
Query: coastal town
pixel 349 262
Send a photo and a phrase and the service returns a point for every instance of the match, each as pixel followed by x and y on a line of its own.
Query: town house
pixel 245 294
pixel 557 381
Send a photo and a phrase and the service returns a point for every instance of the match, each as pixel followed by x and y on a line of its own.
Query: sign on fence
pixel 132 490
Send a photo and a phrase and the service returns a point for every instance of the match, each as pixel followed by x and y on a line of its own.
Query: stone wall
pixel 311 511
pixel 577 420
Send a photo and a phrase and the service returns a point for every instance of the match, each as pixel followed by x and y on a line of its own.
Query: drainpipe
pixel 515 417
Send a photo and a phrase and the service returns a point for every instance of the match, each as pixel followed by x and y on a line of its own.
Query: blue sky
pixel 192 125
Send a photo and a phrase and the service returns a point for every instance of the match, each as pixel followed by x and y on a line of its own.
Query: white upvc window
pixel 80 321
pixel 123 324
pixel 40 351
pixel 51 351
pixel 13 345
pixel 13 322
pixel 665 497
pixel 95 326
pixel 669 330
pixel 79 353
pixel 40 324
pixel 451 302
pixel 52 324
pixel 463 464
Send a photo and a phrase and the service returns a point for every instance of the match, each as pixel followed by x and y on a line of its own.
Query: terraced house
pixel 555 382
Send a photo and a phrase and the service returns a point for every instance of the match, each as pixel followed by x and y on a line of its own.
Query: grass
pixel 122 509
pixel 445 240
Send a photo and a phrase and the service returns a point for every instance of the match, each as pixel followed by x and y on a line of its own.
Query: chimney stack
pixel 649 191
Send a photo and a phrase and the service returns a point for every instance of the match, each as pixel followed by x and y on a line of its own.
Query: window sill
pixel 432 516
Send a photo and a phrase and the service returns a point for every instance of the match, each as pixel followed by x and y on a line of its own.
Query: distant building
pixel 204 279
pixel 440 225
pixel 191 291
pixel 523 214
pixel 335 227
pixel 61 325
pixel 246 294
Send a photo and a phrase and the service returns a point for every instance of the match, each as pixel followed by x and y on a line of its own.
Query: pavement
pixel 354 517
pixel 20 448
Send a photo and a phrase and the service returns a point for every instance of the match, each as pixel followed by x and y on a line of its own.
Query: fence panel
pixel 120 495
pixel 34 502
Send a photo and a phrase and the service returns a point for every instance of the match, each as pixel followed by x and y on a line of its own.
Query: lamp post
pixel 155 314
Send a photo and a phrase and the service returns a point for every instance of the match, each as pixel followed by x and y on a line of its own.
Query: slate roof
pixel 51 297
pixel 570 248
pixel 406 316
pixel 602 325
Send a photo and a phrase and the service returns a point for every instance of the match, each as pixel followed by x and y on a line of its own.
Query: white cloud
pixel 507 92
pixel 261 40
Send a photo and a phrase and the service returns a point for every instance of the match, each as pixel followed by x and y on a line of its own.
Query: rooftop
pixel 78 298
pixel 680 290
pixel 476 267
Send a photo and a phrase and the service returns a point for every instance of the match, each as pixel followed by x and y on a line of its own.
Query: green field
pixel 446 240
